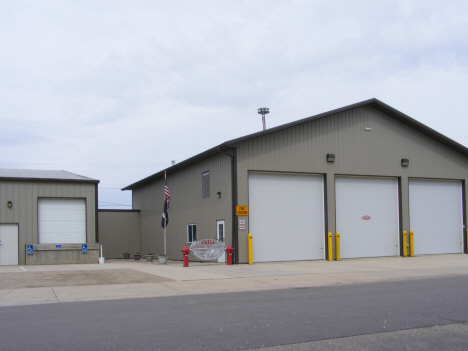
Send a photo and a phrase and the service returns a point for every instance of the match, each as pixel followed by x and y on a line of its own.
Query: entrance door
pixel 8 244
pixel 220 234
pixel 367 216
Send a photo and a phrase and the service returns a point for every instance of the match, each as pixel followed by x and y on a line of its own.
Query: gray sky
pixel 115 90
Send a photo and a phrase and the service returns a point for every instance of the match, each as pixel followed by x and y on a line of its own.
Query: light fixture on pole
pixel 263 111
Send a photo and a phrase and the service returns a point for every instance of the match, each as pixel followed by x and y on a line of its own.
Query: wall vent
pixel 206 184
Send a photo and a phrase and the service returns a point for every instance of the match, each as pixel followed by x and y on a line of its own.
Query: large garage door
pixel 62 221
pixel 367 216
pixel 436 217
pixel 286 217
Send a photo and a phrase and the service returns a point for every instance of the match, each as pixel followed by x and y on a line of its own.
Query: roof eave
pixel 375 103
pixel 411 122
pixel 192 160
pixel 298 122
pixel 91 181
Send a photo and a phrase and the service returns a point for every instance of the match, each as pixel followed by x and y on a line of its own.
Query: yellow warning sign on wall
pixel 242 210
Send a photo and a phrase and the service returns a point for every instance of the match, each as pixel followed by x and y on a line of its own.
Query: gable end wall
pixel 303 149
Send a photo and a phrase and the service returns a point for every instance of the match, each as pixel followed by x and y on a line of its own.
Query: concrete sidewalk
pixel 124 279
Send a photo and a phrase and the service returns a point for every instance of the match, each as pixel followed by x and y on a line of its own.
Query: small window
pixel 206 184
pixel 220 230
pixel 191 233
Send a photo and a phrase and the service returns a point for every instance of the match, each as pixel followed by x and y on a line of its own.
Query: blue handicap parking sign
pixel 29 249
pixel 84 248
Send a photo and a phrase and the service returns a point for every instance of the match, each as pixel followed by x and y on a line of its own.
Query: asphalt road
pixel 387 316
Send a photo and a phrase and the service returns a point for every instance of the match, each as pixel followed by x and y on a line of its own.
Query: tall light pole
pixel 263 111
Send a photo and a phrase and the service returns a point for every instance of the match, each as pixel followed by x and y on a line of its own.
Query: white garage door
pixel 286 217
pixel 8 244
pixel 367 216
pixel 62 221
pixel 436 217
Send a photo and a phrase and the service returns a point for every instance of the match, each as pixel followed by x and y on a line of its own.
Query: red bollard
pixel 185 252
pixel 229 251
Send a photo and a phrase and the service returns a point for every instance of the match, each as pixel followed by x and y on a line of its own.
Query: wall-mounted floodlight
pixel 330 157
pixel 404 162
pixel 10 204
pixel 218 194
pixel 263 111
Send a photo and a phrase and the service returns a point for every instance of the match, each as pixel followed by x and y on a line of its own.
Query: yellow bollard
pixel 250 249
pixel 411 244
pixel 337 245
pixel 405 244
pixel 330 247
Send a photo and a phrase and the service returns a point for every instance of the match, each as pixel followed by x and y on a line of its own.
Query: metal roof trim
pixel 375 103
pixel 192 160
pixel 298 122
pixel 90 181
pixel 43 175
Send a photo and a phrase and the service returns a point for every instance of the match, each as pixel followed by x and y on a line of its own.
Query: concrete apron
pixel 121 279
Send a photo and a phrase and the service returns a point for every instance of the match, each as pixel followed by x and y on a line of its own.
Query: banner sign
pixel 208 249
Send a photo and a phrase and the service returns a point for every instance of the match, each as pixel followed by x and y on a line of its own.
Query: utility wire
pixel 111 204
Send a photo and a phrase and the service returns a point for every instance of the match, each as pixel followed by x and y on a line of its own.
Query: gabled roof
pixel 375 103
pixel 43 175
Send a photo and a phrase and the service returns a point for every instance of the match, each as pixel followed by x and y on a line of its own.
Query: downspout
pixel 235 236
pixel 96 214
pixel 465 231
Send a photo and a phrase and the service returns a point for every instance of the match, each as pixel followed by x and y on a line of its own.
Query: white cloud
pixel 115 90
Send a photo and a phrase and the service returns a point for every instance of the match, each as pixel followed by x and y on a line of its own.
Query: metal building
pixel 366 171
pixel 119 232
pixel 46 217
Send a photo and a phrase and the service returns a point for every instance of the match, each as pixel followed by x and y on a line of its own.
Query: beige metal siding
pixel 24 195
pixel 187 206
pixel 303 149
pixel 119 232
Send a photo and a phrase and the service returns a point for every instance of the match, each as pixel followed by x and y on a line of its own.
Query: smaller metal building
pixel 46 217
pixel 367 171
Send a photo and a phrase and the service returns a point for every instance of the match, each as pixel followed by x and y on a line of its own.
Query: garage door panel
pixel 62 221
pixel 436 217
pixel 286 217
pixel 376 198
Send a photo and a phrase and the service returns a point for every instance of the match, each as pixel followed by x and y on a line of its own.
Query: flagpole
pixel 165 220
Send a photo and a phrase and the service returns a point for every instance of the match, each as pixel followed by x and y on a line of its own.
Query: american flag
pixel 166 193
